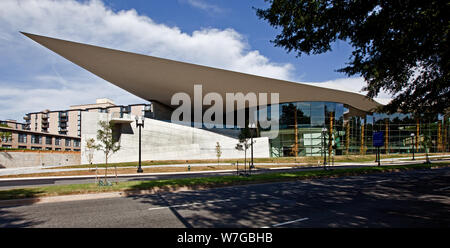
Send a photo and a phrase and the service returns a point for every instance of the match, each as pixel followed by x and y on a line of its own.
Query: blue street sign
pixel 378 139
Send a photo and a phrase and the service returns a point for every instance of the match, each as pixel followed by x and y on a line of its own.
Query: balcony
pixel 120 118
pixel 125 109
pixel 26 126
pixel 44 116
pixel 63 116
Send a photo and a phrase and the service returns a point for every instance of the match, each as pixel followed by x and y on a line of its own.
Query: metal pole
pixel 252 153
pixel 376 155
pixel 379 155
pixel 324 151
pixel 139 169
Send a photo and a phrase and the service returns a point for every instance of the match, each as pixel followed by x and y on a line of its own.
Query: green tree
pixel 218 152
pixel 90 149
pixel 400 47
pixel 107 143
pixel 244 141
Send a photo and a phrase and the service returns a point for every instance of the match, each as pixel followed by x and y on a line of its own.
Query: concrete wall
pixel 165 141
pixel 15 159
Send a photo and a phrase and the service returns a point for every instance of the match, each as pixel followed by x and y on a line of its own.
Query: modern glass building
pixel 312 120
pixel 310 128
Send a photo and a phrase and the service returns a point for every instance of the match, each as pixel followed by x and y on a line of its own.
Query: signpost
pixel 378 141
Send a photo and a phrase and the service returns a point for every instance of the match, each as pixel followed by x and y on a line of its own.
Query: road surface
pixel 418 198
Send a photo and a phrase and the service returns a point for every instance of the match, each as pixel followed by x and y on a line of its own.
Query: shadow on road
pixel 9 218
pixel 384 200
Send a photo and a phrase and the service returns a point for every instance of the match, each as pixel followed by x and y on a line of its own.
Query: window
pixel 48 140
pixel 6 139
pixel 36 139
pixel 67 142
pixel 57 141
pixel 317 114
pixel 22 138
pixel 304 114
pixel 76 143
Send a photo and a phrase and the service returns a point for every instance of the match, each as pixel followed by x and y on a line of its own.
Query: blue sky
pixel 240 15
pixel 225 34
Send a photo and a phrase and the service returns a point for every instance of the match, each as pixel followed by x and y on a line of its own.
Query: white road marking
pixel 379 181
pixel 441 189
pixel 189 204
pixel 382 181
pixel 287 222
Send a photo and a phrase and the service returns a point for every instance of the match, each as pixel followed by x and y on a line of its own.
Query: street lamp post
pixel 414 145
pixel 139 123
pixel 251 126
pixel 324 132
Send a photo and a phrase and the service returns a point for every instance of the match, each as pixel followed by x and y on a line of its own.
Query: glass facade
pixel 312 128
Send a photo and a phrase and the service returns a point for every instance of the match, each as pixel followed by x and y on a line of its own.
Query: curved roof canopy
pixel 157 79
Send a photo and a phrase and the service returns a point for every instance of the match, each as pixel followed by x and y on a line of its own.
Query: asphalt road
pixel 13 183
pixel 405 199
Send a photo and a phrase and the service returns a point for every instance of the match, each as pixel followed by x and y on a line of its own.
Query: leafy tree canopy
pixel 398 46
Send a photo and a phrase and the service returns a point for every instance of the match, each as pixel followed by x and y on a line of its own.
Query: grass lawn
pixel 204 182
pixel 310 160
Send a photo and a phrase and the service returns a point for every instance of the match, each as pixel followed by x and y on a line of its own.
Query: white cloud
pixel 352 85
pixel 94 23
pixel 203 5
pixel 15 101
pixel 44 80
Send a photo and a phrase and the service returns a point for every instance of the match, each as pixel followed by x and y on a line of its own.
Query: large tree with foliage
pixel 400 47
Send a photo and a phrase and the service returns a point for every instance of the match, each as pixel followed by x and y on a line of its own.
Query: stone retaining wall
pixel 25 158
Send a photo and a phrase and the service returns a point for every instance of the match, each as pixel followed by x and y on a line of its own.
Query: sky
pixel 225 34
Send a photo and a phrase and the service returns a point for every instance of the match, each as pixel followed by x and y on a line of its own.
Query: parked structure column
pixel 417 133
pixel 386 136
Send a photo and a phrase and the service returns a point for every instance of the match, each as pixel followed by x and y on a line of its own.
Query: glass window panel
pixel 317 114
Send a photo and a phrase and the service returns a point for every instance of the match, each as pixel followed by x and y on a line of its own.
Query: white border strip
pixel 287 222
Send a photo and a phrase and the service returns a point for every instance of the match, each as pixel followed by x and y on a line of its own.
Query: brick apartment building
pixel 61 130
